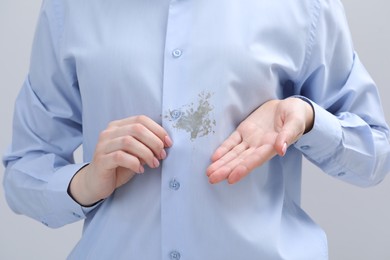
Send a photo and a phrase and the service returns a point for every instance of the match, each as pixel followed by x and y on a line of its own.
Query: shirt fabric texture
pixel 198 68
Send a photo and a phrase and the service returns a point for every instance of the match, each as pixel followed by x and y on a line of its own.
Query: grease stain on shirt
pixel 194 118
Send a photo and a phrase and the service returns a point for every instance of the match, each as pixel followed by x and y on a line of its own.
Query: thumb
pixel 290 133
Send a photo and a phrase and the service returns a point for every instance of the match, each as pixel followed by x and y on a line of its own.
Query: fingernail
pixel 156 163
pixel 141 169
pixel 284 149
pixel 168 141
pixel 163 154
pixel 211 180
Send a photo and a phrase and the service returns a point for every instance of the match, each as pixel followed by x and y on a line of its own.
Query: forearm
pixel 39 164
pixel 348 148
pixel 42 194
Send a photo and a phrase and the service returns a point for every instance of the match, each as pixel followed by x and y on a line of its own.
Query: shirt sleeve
pixel 46 131
pixel 350 138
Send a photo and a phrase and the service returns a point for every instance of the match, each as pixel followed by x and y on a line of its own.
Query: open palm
pixel 262 135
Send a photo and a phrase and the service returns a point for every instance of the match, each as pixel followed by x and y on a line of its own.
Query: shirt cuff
pixel 65 209
pixel 325 136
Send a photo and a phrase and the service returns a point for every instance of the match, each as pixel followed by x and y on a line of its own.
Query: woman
pixel 162 88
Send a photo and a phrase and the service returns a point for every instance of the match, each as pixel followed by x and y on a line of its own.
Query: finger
pixel 140 133
pixel 251 161
pixel 281 144
pixel 219 175
pixel 124 175
pixel 223 168
pixel 134 147
pixel 122 159
pixel 150 124
pixel 233 140
pixel 238 165
pixel 290 133
pixel 227 157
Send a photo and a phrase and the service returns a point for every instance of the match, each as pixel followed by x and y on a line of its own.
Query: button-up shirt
pixel 198 68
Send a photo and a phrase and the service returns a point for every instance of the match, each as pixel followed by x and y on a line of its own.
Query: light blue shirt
pixel 198 68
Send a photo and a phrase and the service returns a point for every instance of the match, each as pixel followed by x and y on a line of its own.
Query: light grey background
pixel 356 220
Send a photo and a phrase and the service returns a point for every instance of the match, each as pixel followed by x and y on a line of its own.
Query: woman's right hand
pixel 122 151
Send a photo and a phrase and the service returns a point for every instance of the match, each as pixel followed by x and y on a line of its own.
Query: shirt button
pixel 341 174
pixel 177 53
pixel 175 114
pixel 76 215
pixel 305 147
pixel 174 184
pixel 174 255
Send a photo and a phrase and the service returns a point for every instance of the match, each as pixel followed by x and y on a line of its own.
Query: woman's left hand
pixel 268 131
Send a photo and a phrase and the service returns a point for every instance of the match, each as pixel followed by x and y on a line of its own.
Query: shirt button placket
pixel 176 49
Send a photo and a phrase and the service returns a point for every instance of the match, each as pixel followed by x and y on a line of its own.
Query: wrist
pixel 309 113
pixel 309 117
pixel 78 189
